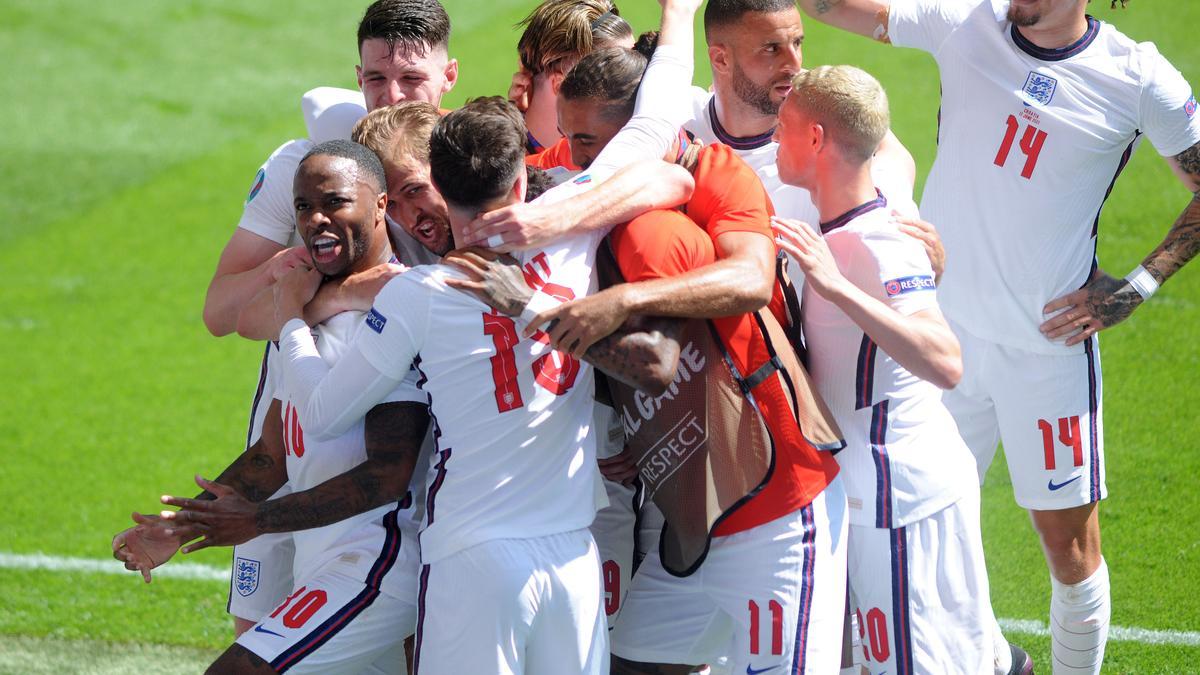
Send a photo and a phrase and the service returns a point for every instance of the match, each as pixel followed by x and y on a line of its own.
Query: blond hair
pixel 399 132
pixel 560 32
pixel 849 103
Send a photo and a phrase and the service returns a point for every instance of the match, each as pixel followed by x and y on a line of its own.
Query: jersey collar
pixel 878 203
pixel 1042 54
pixel 735 142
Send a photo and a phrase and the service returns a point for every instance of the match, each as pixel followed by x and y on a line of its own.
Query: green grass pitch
pixel 129 134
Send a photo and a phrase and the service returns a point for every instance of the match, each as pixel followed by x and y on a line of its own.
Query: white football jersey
pixel 904 459
pixel 311 462
pixel 516 451
pixel 1030 143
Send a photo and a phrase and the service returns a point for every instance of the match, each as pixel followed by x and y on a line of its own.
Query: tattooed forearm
pixel 256 475
pixel 644 357
pixel 1182 242
pixel 823 6
pixel 393 436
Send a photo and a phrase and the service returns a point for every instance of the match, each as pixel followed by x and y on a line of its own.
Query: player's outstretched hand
pixel 1102 302
pixel 577 325
pixel 495 278
pixel 225 521
pixel 928 235
pixel 517 227
pixel 811 253
pixel 620 468
pixel 145 545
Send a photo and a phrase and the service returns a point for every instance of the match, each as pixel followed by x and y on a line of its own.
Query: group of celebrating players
pixel 774 465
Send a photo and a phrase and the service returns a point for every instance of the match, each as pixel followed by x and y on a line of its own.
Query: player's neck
pixel 541 119
pixel 738 119
pixel 1056 34
pixel 841 189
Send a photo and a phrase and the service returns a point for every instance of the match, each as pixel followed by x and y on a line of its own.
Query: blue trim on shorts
pixel 423 586
pixel 342 618
pixel 1089 348
pixel 902 626
pixel 809 540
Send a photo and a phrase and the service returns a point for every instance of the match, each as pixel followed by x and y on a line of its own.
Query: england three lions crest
pixel 1039 89
pixel 245 575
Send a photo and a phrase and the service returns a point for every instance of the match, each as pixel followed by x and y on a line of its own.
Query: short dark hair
pixel 366 160
pixel 477 151
pixel 414 25
pixel 723 12
pixel 611 76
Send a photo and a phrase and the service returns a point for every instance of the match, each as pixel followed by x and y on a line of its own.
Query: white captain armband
pixel 1142 281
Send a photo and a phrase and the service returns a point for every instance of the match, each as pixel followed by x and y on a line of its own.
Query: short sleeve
pixel 660 244
pixel 268 211
pixel 396 325
pixel 1167 112
pixel 729 196
pixel 889 265
pixel 925 24
pixel 331 112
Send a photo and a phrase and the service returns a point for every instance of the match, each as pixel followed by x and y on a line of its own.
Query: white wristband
pixel 1142 281
pixel 537 304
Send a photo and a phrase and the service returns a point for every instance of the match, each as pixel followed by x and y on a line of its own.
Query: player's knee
pixel 237 660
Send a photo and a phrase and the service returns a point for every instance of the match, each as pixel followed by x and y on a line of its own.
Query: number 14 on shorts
pixel 1068 435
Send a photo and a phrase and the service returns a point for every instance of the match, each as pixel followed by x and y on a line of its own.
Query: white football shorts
pixel 1045 409
pixel 514 606
pixel 920 594
pixel 772 597
pixel 333 622
pixel 262 572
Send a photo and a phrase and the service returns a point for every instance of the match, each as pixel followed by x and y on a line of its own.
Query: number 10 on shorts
pixel 1068 435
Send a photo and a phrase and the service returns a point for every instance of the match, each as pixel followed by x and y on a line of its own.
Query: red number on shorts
pixel 1068 434
pixel 304 608
pixel 776 610
pixel 293 435
pixel 1031 145
pixel 612 587
pixel 873 633
pixel 554 370
pixel 288 601
pixel 504 363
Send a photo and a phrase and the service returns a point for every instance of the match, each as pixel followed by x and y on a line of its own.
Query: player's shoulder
pixel 331 112
pixel 289 152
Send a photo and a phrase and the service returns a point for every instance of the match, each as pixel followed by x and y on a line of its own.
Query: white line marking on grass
pixel 54 563
pixel 1116 633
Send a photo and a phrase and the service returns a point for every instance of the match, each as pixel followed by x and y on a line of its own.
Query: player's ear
pixel 521 184
pixel 817 131
pixel 718 56
pixel 556 80
pixel 451 74
pixel 358 76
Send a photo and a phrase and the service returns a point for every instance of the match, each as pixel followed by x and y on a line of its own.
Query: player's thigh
pixel 920 594
pixel 570 633
pixel 477 608
pixel 237 660
pixel 783 583
pixel 614 530
pixel 261 576
pixel 1051 424
pixel 669 619
pixel 331 623
pixel 970 403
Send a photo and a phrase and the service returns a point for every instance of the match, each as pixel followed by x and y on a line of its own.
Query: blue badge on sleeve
pixel 259 178
pixel 1189 108
pixel 583 179
pixel 376 321
pixel 920 282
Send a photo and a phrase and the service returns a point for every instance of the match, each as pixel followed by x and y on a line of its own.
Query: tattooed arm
pixel 1105 301
pixel 865 17
pixel 394 432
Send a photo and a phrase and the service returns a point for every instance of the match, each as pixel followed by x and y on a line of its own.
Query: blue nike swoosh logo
pixel 752 671
pixel 1052 486
pixel 260 629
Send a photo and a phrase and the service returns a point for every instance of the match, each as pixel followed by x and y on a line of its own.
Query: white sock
pixel 1003 657
pixel 1079 615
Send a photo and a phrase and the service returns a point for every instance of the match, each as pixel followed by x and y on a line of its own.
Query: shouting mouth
pixel 325 248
